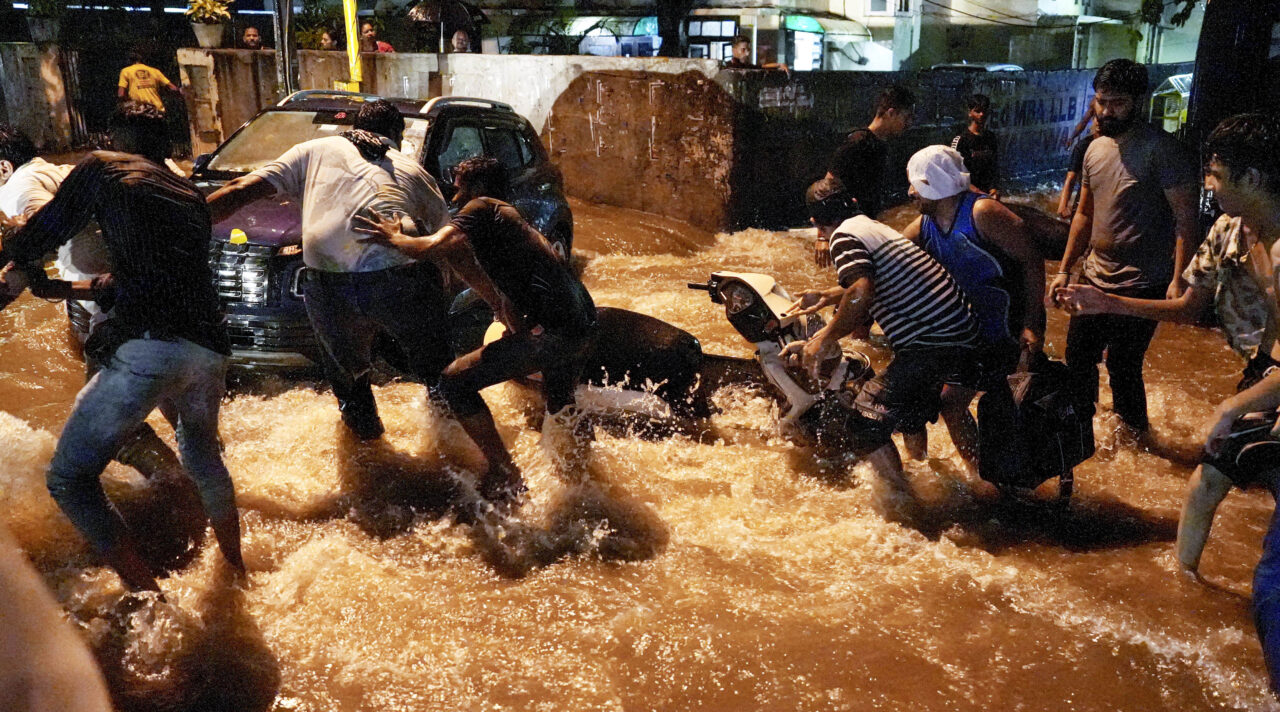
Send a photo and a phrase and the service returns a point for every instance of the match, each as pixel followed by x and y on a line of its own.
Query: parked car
pixel 256 254
pixel 963 66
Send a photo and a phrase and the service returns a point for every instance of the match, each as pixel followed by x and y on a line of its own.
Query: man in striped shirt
pixel 926 318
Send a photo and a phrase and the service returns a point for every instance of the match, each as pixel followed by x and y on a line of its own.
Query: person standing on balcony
pixel 354 290
pixel 369 41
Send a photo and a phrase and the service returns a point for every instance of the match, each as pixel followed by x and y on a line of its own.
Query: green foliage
pixel 209 12
pixel 46 8
pixel 1152 11
pixel 313 19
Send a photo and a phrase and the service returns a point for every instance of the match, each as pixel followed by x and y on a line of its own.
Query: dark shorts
pixel 905 396
pixel 1244 468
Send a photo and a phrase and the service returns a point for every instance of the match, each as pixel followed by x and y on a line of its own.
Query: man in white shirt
pixel 355 290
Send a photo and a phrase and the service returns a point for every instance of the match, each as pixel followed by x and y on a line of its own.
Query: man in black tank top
pixel 549 315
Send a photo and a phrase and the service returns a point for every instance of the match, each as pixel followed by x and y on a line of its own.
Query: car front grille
pixel 240 271
pixel 269 333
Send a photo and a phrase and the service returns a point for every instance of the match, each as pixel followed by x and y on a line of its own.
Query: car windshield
pixel 275 132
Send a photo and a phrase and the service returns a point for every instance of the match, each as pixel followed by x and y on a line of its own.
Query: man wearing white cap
pixel 983 246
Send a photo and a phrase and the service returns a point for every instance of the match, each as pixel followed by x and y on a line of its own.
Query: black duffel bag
pixel 1056 432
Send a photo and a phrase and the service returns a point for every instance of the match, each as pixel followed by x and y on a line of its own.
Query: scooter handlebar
pixel 700 285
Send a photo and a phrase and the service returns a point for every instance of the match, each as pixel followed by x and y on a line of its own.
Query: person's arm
pixel 1184 309
pixel 1064 200
pixel 850 319
pixel 462 260
pixel 912 231
pixel 1182 199
pixel 1205 491
pixel 236 194
pixel 386 231
pixel 120 93
pixel 1077 243
pixel 1079 127
pixel 998 224
pixel 1263 396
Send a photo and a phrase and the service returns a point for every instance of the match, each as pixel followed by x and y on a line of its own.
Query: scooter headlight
pixel 737 297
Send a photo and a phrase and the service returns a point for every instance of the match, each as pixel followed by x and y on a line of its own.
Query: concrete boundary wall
pixel 34 94
pixel 680 137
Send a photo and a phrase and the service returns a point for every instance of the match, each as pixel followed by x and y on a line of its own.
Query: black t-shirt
pixel 1077 155
pixel 980 157
pixel 156 227
pixel 859 164
pixel 522 266
pixel 735 63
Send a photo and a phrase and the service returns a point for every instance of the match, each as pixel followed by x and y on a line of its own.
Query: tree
pixel 1152 11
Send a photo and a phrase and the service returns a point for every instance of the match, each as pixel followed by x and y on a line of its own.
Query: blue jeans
pixel 349 310
pixel 1266 598
pixel 186 382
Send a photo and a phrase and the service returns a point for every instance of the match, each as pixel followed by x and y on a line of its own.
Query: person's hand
pixel 14 280
pixel 1084 299
pixel 1065 212
pixel 808 354
pixel 822 253
pixel 1176 288
pixel 1051 294
pixel 1224 416
pixel 995 193
pixel 381 229
pixel 1032 341
pixel 507 314
pixel 810 301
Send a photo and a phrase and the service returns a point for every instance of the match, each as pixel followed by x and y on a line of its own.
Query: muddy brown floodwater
pixel 726 574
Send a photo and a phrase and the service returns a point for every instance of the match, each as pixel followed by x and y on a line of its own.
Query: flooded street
pixel 735 572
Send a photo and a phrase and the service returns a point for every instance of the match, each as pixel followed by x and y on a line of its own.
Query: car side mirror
pixel 200 162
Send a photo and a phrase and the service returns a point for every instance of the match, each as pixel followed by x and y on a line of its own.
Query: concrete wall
pixel 719 149
pixel 34 97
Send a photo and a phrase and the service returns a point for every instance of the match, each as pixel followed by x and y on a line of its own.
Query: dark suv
pixel 256 254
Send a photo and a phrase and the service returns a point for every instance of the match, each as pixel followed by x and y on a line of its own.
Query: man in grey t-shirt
pixel 355 290
pixel 1137 219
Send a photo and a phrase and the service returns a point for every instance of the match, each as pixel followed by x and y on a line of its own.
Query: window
pixel 877 7
pixel 463 143
pixel 504 147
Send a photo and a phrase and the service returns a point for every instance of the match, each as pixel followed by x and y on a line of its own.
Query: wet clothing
pixel 335 181
pixel 142 83
pixel 559 357
pixel 859 164
pixel 1130 254
pixel 981 158
pixel 349 310
pixel 1124 339
pixel 1246 313
pixel 511 252
pixel 156 227
pixel 916 303
pixel 1266 596
pixel 544 292
pixel 1133 238
pixel 355 290
pixel 186 381
pixel 32 184
pixel 905 396
pixel 990 278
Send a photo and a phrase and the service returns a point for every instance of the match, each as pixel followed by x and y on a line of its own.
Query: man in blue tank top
pixel 984 247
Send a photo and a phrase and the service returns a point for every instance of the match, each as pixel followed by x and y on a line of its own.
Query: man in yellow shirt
pixel 139 82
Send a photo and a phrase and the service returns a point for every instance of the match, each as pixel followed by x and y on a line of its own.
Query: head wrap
pixel 937 172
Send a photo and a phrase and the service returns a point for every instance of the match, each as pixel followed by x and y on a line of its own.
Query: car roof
pixel 338 100
pixel 976 67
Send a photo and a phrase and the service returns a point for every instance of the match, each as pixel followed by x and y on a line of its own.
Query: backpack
pixel 1056 431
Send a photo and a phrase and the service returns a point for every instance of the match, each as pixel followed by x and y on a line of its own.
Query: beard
pixel 1114 126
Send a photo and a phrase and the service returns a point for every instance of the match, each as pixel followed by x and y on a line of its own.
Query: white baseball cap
pixel 937 172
